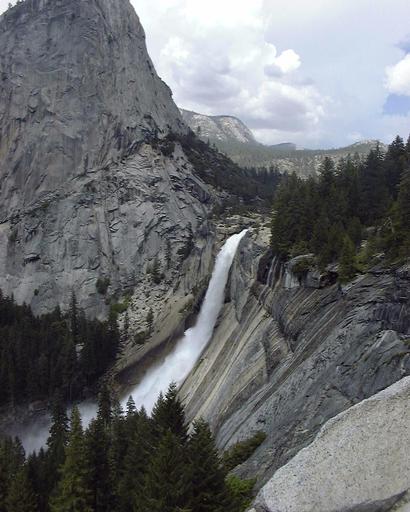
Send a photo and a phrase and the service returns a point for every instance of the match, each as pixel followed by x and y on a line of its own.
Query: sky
pixel 319 73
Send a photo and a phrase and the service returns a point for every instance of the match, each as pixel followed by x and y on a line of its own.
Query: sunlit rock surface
pixel 286 360
pixel 359 461
pixel 84 195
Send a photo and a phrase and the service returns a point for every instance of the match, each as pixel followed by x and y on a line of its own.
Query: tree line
pixel 123 462
pixel 52 352
pixel 350 212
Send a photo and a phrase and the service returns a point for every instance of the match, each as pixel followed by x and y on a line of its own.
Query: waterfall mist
pixel 177 365
pixel 174 368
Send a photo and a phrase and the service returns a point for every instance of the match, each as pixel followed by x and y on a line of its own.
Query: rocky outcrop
pixel 218 128
pixel 90 197
pixel 359 461
pixel 77 89
pixel 286 357
pixel 111 225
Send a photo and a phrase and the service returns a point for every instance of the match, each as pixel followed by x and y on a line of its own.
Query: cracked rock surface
pixel 286 357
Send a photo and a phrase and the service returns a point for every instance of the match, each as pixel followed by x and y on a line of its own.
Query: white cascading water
pixel 177 365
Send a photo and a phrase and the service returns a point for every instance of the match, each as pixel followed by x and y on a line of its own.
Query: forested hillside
pixel 352 212
pixel 122 463
pixel 53 352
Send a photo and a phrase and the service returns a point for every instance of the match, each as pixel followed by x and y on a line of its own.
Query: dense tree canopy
pixel 354 202
pixel 54 352
pixel 123 462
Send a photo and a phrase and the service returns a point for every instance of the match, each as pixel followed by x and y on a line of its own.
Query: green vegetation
pixel 251 187
pixel 53 352
pixel 122 462
pixel 330 215
pixel 102 285
pixel 119 307
pixel 156 274
pixel 240 452
pixel 302 266
pixel 240 491
pixel 140 338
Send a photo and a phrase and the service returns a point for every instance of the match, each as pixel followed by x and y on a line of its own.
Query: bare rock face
pixel 88 200
pixel 77 88
pixel 286 359
pixel 359 461
pixel 218 128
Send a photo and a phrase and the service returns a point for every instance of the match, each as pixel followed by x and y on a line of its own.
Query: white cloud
pixel 286 62
pixel 398 77
pixel 217 61
pixel 291 70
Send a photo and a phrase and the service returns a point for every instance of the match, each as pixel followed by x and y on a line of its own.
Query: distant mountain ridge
pixel 232 137
pixel 218 128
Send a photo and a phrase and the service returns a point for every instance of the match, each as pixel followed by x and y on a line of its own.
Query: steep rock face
pixel 77 87
pixel 285 357
pixel 109 224
pixel 359 461
pixel 87 192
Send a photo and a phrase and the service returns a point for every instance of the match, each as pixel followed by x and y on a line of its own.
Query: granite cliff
pixel 290 353
pixel 101 194
pixel 87 193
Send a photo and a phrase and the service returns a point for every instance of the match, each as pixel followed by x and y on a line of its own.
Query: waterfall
pixel 177 365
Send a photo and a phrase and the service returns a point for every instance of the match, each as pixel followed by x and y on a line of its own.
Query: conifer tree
pixel 57 441
pixel 98 479
pixel 168 415
pixel 167 483
pixel 403 212
pixel 209 492
pixel 72 492
pixel 105 406
pixel 131 485
pixel 39 475
pixel 21 497
pixel 347 263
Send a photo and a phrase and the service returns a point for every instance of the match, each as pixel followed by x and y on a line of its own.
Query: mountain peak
pixel 222 128
pixel 78 87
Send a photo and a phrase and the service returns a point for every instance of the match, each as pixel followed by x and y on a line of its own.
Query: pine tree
pixel 403 212
pixel 395 162
pixel 155 272
pixel 347 262
pixel 131 485
pixel 21 497
pixel 168 415
pixel 72 492
pixel 130 407
pixel 11 461
pixel 57 441
pixel 73 315
pixel 209 492
pixel 167 483
pixel 105 406
pixel 39 476
pixel 97 445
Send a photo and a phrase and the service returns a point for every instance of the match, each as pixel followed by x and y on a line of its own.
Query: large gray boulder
pixel 359 461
